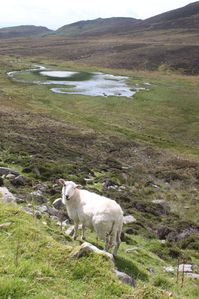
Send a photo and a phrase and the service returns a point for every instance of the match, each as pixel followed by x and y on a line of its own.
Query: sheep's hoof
pixel 74 237
pixel 83 238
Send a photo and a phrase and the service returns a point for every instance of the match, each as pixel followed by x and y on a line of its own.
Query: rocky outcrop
pixel 125 278
pixel 87 248
pixel 6 171
pixel 6 196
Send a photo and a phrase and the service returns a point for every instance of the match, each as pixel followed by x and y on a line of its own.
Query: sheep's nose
pixel 67 197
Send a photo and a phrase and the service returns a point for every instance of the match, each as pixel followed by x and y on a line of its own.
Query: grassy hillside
pixel 36 262
pixel 147 145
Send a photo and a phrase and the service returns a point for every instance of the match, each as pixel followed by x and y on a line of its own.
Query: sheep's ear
pixel 61 182
pixel 78 186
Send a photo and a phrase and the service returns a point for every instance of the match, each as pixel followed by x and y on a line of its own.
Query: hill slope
pixel 186 17
pixel 24 30
pixel 98 26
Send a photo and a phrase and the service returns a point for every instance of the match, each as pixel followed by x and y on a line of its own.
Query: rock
pixel 185 268
pixel 88 180
pixel 58 204
pixel 42 209
pixel 69 231
pixel 10 176
pixel 129 250
pixel 193 275
pixel 108 184
pixel 52 211
pixel 18 181
pixel 86 248
pixel 163 203
pixel 5 225
pixel 163 231
pixel 169 269
pixel 28 210
pixel 129 219
pixel 40 187
pixel 6 171
pixel 37 193
pixel 125 278
pixel 6 195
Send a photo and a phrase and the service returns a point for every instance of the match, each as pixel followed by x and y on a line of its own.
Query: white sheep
pixel 99 213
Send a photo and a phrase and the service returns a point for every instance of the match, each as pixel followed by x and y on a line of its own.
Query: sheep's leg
pixel 118 241
pixel 107 242
pixel 83 237
pixel 75 231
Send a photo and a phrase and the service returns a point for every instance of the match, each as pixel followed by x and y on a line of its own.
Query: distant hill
pixel 24 30
pixel 186 17
pixel 167 41
pixel 98 26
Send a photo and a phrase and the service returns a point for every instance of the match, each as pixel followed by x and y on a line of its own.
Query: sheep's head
pixel 68 189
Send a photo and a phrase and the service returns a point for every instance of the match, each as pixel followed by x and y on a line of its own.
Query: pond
pixel 72 82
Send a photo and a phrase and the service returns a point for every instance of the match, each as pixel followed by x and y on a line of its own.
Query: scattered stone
pixel 86 248
pixel 169 269
pixel 42 209
pixel 37 193
pixel 70 230
pixel 53 212
pixel 185 268
pixel 28 210
pixel 129 219
pixel 88 180
pixel 108 184
pixel 40 187
pixel 6 171
pixel 5 225
pixel 162 241
pixel 125 278
pixel 6 195
pixel 10 176
pixel 58 204
pixel 129 250
pixel 18 181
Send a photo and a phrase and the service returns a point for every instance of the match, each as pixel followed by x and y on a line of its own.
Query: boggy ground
pixel 132 150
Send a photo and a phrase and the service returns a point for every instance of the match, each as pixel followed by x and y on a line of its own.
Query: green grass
pixel 35 265
pixel 36 262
